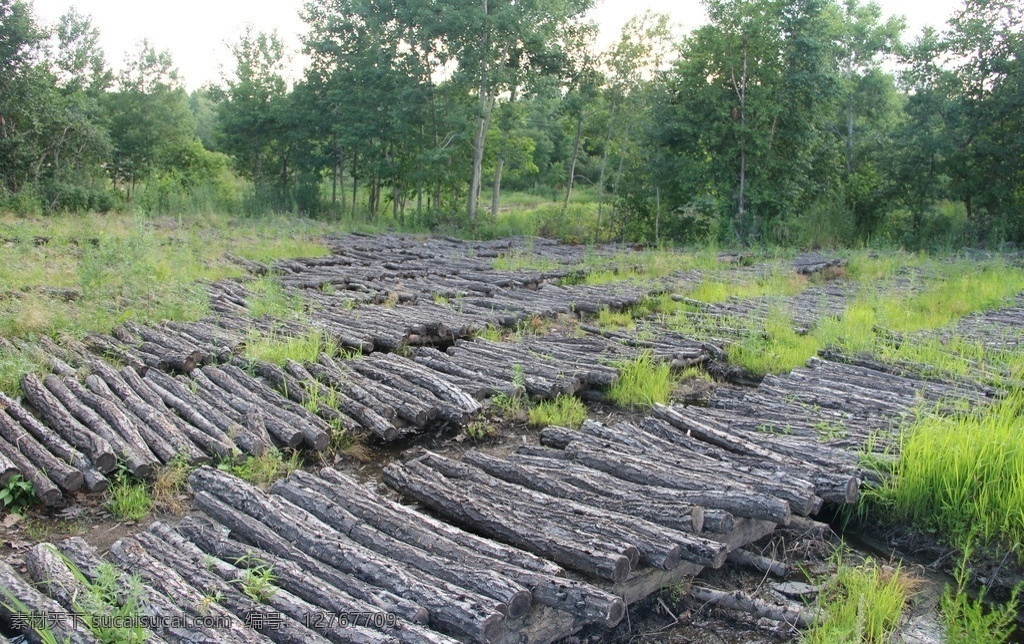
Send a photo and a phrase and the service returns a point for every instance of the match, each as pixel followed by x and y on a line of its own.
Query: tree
pixel 149 117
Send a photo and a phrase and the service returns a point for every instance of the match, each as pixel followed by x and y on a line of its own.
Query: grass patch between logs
pixel 643 381
pixel 860 603
pixel 563 411
pixel 962 476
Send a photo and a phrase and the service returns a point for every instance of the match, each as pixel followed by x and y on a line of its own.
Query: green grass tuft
pixel 264 469
pixel 129 499
pixel 860 604
pixel 278 349
pixel 963 476
pixel 643 381
pixel 563 411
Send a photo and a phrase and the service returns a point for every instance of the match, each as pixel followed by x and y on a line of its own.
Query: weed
pixel 779 348
pixel 563 411
pixel 491 334
pixel 279 349
pixel 861 603
pixel 643 381
pixel 110 609
pixel 480 429
pixel 171 480
pixel 264 469
pixel 18 494
pixel 963 475
pixel 128 499
pixel 269 298
pixel 972 621
pixel 257 580
pixel 606 319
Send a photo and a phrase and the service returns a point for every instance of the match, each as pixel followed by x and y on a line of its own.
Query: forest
pixel 795 122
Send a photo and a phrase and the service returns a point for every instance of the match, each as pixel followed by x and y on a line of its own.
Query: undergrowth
pixel 643 381
pixel 563 411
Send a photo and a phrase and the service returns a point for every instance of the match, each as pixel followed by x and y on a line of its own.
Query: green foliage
pixel 643 381
pixel 563 411
pixel 264 469
pixel 962 476
pixel 606 319
pixel 777 349
pixel 279 349
pixel 268 298
pixel 18 494
pixel 860 603
pixel 109 607
pixel 970 620
pixel 258 579
pixel 128 498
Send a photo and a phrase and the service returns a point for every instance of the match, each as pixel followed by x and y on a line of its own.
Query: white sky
pixel 196 31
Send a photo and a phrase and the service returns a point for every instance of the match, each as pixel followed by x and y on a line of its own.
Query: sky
pixel 196 32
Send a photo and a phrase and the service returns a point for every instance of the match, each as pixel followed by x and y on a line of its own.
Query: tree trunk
pixel 495 194
pixel 572 162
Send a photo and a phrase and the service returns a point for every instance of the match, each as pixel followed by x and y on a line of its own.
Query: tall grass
pixel 278 349
pixel 860 604
pixel 563 411
pixel 778 348
pixel 643 381
pixel 963 476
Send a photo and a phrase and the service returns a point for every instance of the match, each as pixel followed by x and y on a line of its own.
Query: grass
pixel 69 274
pixel 563 411
pixel 962 476
pixel 110 609
pixel 264 469
pixel 18 494
pixel 608 319
pixel 776 282
pixel 278 348
pixel 268 298
pixel 258 579
pixel 128 499
pixel 970 620
pixel 778 348
pixel 860 603
pixel 642 382
pixel 169 484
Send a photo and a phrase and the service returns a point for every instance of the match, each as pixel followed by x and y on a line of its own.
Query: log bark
pixel 742 602
pixel 140 463
pixel 316 434
pixel 514 598
pixel 289 436
pixel 757 562
pixel 687 518
pixel 230 405
pixel 99 451
pixel 196 571
pixel 132 556
pixel 159 444
pixel 213 539
pixel 659 546
pixel 19 601
pixel 581 552
pixel 66 477
pixel 741 503
pixel 545 581
pixel 7 469
pixel 206 417
pixel 116 420
pixel 456 610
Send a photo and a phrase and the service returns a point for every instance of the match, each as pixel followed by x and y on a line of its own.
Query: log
pixel 155 441
pixel 196 571
pixel 139 463
pixel 99 451
pixel 20 603
pixel 749 559
pixel 49 570
pixel 742 602
pixel 514 598
pixel 216 446
pixel 116 420
pixel 741 503
pixel 545 582
pixel 94 480
pixel 206 417
pixel 367 417
pixel 155 426
pixel 228 405
pixel 66 477
pixel 316 434
pixel 581 552
pixel 213 539
pixel 7 469
pixel 453 609
pixel 289 436
pixel 659 546
pixel 131 555
pixel 684 517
